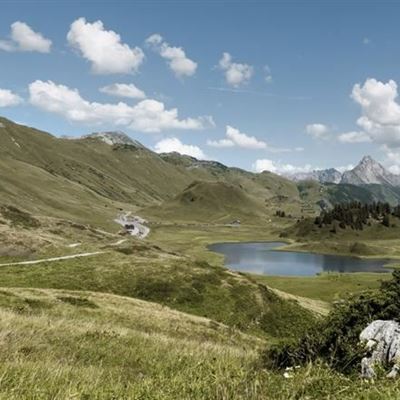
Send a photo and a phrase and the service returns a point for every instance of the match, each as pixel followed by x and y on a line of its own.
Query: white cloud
pixel 236 138
pixel 178 62
pixel 380 118
pixel 235 74
pixel 279 168
pixel 7 45
pixel 146 116
pixel 289 169
pixel 103 48
pixel 354 137
pixel 394 169
pixel 123 90
pixel 170 145
pixel 8 98
pixel 24 38
pixel 318 131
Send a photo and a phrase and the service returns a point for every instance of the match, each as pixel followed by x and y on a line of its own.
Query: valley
pixel 199 200
pixel 104 252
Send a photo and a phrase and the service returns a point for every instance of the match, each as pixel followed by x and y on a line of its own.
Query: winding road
pixel 136 225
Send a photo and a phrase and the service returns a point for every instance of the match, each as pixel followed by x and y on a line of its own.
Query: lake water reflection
pixel 260 258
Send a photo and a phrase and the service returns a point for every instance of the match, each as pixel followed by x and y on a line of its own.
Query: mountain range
pixel 366 172
pixel 92 178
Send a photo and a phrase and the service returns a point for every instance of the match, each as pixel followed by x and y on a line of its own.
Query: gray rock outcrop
pixel 382 341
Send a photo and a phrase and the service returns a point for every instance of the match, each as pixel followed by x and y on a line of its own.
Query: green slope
pixel 89 180
pixel 205 201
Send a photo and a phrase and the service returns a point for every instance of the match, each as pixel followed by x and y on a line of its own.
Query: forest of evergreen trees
pixel 356 215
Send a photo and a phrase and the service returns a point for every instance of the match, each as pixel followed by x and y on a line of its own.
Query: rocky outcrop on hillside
pixel 382 340
pixel 113 138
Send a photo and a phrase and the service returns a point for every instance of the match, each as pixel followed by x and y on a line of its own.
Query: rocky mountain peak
pixel 369 171
pixel 368 160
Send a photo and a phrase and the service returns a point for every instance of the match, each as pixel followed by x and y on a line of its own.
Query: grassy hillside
pixel 206 201
pixel 89 180
pixel 327 287
pixel 62 344
pixel 133 268
pixel 59 344
pixel 263 186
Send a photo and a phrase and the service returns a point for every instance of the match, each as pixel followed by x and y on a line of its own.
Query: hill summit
pixel 113 138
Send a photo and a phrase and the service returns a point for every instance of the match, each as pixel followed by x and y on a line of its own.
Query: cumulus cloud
pixel 176 57
pixel 104 49
pixel 354 137
pixel 236 74
pixel 318 131
pixel 24 38
pixel 123 90
pixel 380 118
pixel 280 168
pixel 146 116
pixel 170 145
pixel 236 138
pixel 8 98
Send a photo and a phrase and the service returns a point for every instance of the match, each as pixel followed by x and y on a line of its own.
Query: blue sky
pixel 284 93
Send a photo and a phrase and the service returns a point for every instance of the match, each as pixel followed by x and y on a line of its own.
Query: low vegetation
pixel 335 340
pixel 328 287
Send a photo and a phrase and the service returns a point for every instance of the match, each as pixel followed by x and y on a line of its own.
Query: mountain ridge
pixel 367 171
pixel 91 179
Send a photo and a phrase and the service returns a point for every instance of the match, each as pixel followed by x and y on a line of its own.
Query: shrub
pixel 336 338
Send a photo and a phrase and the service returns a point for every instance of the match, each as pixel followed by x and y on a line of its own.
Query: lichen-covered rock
pixel 382 341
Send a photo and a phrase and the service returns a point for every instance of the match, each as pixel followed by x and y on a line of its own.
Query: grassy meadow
pixel 159 318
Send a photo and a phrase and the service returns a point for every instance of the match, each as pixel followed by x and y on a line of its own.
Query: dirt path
pixel 53 259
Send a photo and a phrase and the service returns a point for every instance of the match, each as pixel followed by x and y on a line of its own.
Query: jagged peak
pixel 368 160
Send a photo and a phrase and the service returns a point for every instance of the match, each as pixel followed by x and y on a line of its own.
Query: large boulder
pixel 381 339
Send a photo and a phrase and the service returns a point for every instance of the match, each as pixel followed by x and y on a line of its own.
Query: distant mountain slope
pixel 330 175
pixel 90 178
